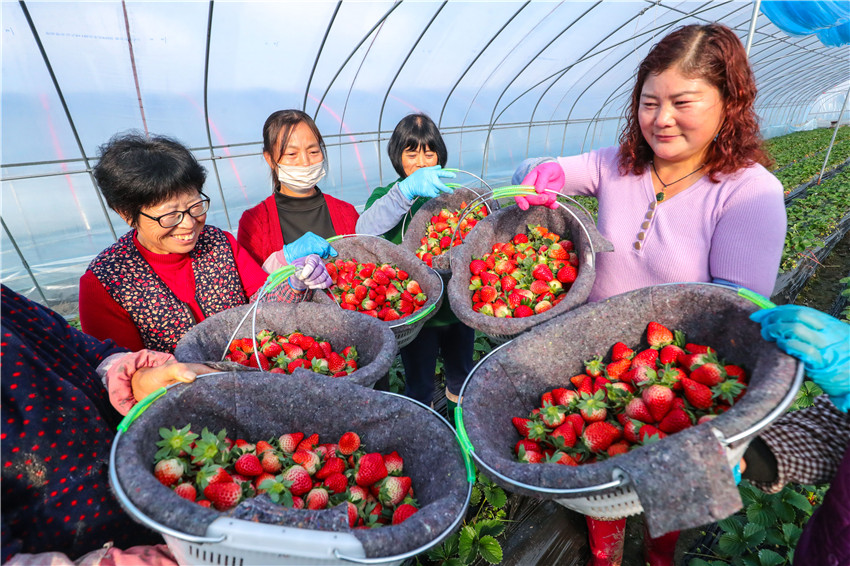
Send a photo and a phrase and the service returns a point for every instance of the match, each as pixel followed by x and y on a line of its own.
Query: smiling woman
pixel 171 270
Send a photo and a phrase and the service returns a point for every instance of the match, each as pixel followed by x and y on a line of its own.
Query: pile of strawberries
pixel 526 276
pixel 280 353
pixel 438 234
pixel 636 398
pixel 383 291
pixel 292 470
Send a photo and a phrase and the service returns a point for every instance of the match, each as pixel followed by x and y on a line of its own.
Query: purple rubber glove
pixel 311 275
pixel 545 177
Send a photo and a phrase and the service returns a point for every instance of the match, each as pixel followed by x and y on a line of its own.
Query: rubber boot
pixel 660 551
pixel 451 405
pixel 606 541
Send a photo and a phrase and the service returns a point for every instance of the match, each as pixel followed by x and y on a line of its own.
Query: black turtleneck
pixel 298 215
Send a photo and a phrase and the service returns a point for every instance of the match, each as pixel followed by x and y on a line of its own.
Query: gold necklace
pixel 659 196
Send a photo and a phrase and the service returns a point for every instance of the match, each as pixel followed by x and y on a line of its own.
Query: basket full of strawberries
pixel 323 339
pixel 522 268
pixel 247 468
pixel 641 403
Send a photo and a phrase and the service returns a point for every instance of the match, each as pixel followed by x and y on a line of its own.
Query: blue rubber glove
pixel 307 244
pixel 312 275
pixel 425 182
pixel 818 340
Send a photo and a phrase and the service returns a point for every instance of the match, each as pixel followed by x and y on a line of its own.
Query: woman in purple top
pixel 684 197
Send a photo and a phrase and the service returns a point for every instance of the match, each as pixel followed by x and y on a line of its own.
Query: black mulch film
pixel 373 339
pixel 503 225
pixel 254 406
pixel 697 481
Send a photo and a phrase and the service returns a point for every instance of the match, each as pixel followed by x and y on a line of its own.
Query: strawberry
pixel 647 357
pixel 617 368
pixel 289 442
pixel 598 436
pixel 413 288
pixel 349 353
pixel 186 491
pixel 637 409
pixel 317 498
pixel 270 462
pixel 539 287
pixel 529 456
pixel 542 272
pixel 698 349
pixel 631 430
pixel 301 482
pixel 252 362
pixel 523 311
pixel 583 383
pixel 393 490
pixel 564 433
pixel 592 407
pixel 332 465
pixel 402 513
pixel 674 421
pixel 697 394
pixel 658 399
pixel 563 396
pixel 370 469
pixel 336 363
pixel 348 443
pixel 567 274
pixel 394 463
pixel 577 421
pixel 670 354
pixel 309 442
pixel 521 426
pixel 552 415
pixel 527 445
pixel 248 465
pixel 709 374
pixel 297 363
pixel 223 496
pixel 488 294
pixel 476 266
pixel 649 433
pixel 336 483
pixel 169 471
pixel 508 283
pixel 619 447
pixel 271 350
pixel 291 350
pixel 594 367
pixel 308 459
pixel 658 335
pixel 621 352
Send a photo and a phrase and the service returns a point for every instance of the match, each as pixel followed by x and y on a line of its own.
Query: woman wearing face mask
pixel 172 270
pixel 297 218
pixel 684 197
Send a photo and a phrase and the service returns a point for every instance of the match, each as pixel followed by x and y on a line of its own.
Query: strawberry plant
pixel 286 353
pixel 383 291
pixel 845 312
pixel 447 229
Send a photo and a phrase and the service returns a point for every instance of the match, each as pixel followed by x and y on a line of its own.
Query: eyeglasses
pixel 172 219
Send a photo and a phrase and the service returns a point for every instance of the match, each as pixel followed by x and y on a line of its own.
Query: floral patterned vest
pixel 162 318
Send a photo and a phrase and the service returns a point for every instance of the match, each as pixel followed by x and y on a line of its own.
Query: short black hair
pixel 136 171
pixel 415 131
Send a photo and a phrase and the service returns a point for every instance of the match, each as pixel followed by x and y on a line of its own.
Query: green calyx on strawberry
pixel 175 442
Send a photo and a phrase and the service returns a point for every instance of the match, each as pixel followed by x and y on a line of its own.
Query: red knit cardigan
pixel 260 232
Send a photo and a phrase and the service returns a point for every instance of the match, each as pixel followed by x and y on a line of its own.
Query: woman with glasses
pixel 171 270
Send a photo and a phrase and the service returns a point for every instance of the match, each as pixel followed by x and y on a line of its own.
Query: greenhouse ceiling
pixel 503 80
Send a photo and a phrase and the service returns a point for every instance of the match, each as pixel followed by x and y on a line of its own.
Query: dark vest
pixel 162 318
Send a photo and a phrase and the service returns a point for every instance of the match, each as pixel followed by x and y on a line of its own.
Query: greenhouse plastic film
pixel 503 225
pixel 374 341
pixel 698 485
pixel 418 224
pixel 254 405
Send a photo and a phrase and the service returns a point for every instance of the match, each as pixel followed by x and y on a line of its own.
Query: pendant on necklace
pixel 659 196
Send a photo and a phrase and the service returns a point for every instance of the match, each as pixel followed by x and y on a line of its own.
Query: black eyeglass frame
pixel 159 218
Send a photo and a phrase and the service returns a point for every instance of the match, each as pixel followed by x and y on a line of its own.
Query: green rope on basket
pixel 759 300
pixel 278 276
pixel 421 314
pixel 465 444
pixel 140 408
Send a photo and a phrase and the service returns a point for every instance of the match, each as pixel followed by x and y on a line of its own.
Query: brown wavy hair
pixel 715 54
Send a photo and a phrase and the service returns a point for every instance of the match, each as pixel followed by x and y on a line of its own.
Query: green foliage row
pixel 797 146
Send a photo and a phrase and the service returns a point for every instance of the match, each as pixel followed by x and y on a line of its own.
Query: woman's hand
pixel 546 178
pixel 311 275
pixel 148 379
pixel 425 182
pixel 307 244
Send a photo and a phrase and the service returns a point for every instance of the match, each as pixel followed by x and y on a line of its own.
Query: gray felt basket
pixel 207 341
pixel 683 481
pixel 365 248
pixel 503 225
pixel 453 201
pixel 254 405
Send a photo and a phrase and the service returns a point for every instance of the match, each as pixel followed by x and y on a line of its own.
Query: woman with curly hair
pixel 685 196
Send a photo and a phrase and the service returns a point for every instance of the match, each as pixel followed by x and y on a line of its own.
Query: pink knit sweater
pixel 732 230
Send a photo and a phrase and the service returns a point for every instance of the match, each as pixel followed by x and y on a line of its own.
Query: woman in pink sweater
pixel 685 196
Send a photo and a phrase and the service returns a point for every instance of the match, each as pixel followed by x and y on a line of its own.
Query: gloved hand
pixel 312 275
pixel 818 340
pixel 545 177
pixel 425 182
pixel 307 244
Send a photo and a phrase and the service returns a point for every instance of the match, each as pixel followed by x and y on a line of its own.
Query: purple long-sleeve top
pixel 733 230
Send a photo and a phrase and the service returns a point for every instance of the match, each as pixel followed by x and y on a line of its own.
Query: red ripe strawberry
pixel 519 239
pixel 336 363
pixel 527 445
pixel 552 415
pixel 186 491
pixel 598 436
pixel 631 431
pixel 567 274
pixel 248 345
pixel 317 498
pixel 643 374
pixel 658 399
pixel 529 456
pixel 413 288
pixel 289 442
pixel 169 471
pixel 348 443
pixel 616 369
pixel 736 372
pixel 308 459
pixel 291 350
pixel 301 481
pixel 709 374
pixel 271 350
pixel 248 465
pixel 563 396
pixel 521 425
pixel 649 433
pixel 394 463
pixel 297 363
pixel 349 353
pixel 262 446
pixel 592 407
pixel 223 496
pixel 697 394
pixel 658 335
pixel 577 421
pixel 370 469
pixel 403 512
pixel 621 352
pixel 565 432
pixel 270 462
pixel 508 283
pixel 353 515
pixel 393 489
pixel 674 421
pixel 264 363
pixel 488 294
pixel 647 357
pixel 332 465
pixel 619 447
pixel 672 376
pixel 542 306
pixel 669 354
pixel 583 383
pixel 594 366
pixel 476 266
pixel 557 251
pixel 523 311
pixel 336 483
pixel 698 349
pixel 542 273
pixel 235 345
pixel 204 503
pixel 309 442
pixel 239 357
pixel 637 409
pixel 539 287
